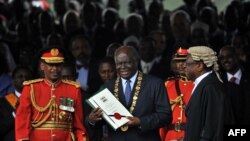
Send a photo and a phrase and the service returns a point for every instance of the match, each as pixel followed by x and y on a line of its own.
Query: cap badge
pixel 54 51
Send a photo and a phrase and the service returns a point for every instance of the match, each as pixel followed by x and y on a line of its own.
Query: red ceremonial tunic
pixel 40 118
pixel 186 87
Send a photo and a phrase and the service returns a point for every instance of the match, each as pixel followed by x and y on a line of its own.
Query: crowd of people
pixel 186 69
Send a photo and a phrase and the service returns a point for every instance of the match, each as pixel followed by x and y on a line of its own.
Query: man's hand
pixel 133 121
pixel 95 115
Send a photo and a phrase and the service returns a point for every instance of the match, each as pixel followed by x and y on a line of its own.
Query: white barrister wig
pixel 207 56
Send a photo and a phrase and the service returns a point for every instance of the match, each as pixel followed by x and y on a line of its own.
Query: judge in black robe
pixel 205 110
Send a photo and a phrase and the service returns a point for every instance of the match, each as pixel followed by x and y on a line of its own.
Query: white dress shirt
pixel 198 80
pixel 237 75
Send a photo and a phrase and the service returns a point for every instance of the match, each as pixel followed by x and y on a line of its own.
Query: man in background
pixel 179 90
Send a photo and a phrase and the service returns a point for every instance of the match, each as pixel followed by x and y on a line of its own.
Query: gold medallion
pixel 62 115
pixel 124 128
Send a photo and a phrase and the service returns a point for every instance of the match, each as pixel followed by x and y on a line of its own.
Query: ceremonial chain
pixel 137 90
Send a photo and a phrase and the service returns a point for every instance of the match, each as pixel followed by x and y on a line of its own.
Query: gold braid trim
pixel 49 106
pixel 137 90
pixel 76 84
pixel 37 123
pixel 177 100
pixel 72 136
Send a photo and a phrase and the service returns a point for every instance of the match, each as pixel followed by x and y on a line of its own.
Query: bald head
pixel 131 51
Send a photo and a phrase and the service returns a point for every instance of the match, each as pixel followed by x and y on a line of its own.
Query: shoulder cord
pixel 178 90
pixel 50 105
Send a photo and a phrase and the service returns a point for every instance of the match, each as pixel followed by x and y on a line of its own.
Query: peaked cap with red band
pixel 181 55
pixel 52 56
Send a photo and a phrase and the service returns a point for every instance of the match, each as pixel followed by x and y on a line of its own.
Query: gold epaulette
pixel 32 81
pixel 76 84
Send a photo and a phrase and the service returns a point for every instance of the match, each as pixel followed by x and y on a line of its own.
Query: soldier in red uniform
pixel 179 91
pixel 50 109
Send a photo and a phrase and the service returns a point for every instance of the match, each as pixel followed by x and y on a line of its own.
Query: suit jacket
pixel 239 96
pixel 152 108
pixel 7 120
pixel 205 111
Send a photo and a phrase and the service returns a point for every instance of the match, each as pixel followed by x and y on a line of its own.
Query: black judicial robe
pixel 205 111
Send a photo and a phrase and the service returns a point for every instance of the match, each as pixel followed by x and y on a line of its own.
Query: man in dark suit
pixel 238 81
pixel 148 62
pixel 147 100
pixel 205 109
pixel 9 103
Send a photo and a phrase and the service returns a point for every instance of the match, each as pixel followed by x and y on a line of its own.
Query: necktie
pixel 233 80
pixel 127 91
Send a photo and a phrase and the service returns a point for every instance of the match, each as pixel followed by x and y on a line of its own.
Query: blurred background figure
pixel 234 73
pixel 19 75
pixel 107 72
pixel 8 104
pixel 147 54
pixel 5 79
pixel 70 22
pixel 69 71
pixel 199 33
pixel 180 24
pixel 107 69
pixel 81 51
pixel 110 51
pixel 134 25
